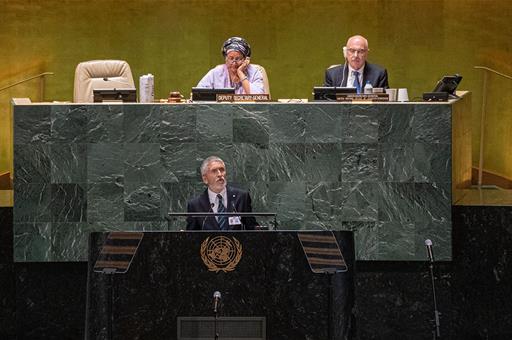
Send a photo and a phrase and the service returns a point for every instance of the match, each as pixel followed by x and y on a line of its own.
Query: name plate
pixel 353 97
pixel 243 98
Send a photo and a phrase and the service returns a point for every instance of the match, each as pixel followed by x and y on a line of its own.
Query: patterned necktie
pixel 223 220
pixel 356 84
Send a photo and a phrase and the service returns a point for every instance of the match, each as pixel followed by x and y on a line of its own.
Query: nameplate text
pixel 374 97
pixel 243 98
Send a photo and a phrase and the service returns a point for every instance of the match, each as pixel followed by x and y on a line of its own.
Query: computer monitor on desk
pixel 201 94
pixel 325 93
pixel 128 95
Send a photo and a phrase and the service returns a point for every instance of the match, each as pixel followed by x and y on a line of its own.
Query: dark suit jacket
pixel 238 201
pixel 377 76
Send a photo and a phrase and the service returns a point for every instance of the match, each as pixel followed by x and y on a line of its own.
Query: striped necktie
pixel 223 220
pixel 357 84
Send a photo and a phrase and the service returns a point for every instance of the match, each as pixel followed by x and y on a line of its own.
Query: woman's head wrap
pixel 236 44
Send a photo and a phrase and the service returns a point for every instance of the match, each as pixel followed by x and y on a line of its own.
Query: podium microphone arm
pixel 241 221
pixel 430 255
pixel 216 300
pixel 205 217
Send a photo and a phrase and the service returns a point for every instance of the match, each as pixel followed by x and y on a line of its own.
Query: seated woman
pixel 236 72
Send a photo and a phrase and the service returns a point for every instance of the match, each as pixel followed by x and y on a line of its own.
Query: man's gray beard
pixel 224 187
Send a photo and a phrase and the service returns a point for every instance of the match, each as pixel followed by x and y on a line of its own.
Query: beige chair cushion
pixel 266 85
pixel 91 75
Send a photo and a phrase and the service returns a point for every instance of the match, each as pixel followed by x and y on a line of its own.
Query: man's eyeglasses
pixel 234 60
pixel 354 51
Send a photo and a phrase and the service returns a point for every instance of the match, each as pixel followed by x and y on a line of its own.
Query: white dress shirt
pixel 350 78
pixel 214 201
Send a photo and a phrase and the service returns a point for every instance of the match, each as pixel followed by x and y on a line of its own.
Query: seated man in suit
pixel 356 72
pixel 219 197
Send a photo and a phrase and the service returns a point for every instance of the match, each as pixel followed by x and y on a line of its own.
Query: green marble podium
pixel 381 170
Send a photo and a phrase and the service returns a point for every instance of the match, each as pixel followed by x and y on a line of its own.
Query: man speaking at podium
pixel 217 198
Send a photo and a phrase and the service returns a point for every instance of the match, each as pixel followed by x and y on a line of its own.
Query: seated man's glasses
pixel 354 51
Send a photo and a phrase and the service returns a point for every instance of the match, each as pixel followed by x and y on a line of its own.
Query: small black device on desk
pixel 201 94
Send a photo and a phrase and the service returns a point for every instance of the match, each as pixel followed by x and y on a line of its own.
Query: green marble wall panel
pixel 68 163
pixel 141 202
pixel 34 127
pixel 69 241
pixel 33 241
pixel 34 163
pixel 105 124
pixel 105 202
pixel 32 202
pixel 105 163
pixel 69 124
pixel 398 164
pixel 383 171
pixel 68 202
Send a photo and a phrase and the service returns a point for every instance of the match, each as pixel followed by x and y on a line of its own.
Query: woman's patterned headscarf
pixel 236 44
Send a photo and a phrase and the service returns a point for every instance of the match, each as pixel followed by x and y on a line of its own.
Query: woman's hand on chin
pixel 241 71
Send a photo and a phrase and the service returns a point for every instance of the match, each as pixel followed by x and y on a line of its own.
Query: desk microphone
pixel 117 81
pixel 344 65
pixel 437 325
pixel 430 252
pixel 204 219
pixel 216 301
pixel 234 209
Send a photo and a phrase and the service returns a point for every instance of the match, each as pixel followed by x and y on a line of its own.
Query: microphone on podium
pixel 234 210
pixel 204 219
pixel 430 252
pixel 216 301
pixel 117 81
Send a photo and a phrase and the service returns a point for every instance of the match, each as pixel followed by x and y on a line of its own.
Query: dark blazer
pixel 377 76
pixel 238 201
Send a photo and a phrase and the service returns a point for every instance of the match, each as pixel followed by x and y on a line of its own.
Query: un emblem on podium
pixel 221 253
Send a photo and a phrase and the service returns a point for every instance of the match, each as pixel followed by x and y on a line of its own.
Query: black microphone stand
pixel 331 305
pixel 436 334
pixel 216 337
pixel 215 316
pixel 234 210
pixel 110 303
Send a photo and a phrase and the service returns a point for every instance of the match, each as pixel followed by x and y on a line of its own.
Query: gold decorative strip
pixel 328 251
pixel 112 264
pixel 125 235
pixel 317 260
pixel 317 238
pixel 125 250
